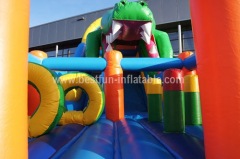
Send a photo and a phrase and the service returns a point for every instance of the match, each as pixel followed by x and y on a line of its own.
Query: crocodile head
pixel 128 22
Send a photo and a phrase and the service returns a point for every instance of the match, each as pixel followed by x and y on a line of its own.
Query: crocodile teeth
pixel 115 36
pixel 147 28
pixel 108 39
pixel 116 26
pixel 111 37
pixel 153 50
pixel 109 48
pixel 145 37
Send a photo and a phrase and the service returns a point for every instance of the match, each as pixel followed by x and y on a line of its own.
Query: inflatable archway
pixel 51 105
pixel 95 94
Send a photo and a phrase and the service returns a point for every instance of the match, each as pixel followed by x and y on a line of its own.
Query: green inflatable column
pixel 193 114
pixel 173 110
pixel 154 97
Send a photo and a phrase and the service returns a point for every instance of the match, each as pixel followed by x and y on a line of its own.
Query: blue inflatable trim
pixel 190 62
pixel 75 64
pixel 150 64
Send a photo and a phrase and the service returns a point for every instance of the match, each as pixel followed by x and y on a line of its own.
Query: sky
pixel 44 11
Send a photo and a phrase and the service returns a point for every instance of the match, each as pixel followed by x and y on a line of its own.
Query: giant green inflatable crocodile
pixel 129 23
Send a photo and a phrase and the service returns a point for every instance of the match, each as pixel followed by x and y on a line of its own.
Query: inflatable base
pixel 133 137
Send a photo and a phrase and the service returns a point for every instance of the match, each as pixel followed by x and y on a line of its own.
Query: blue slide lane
pixel 45 146
pixel 125 139
pixel 182 145
pixel 196 131
pixel 136 142
pixel 97 142
pixel 130 138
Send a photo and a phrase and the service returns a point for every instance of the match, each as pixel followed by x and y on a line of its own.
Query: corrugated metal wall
pixel 168 11
pixel 62 30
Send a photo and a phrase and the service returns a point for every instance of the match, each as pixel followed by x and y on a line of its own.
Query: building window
pixel 67 52
pixel 187 41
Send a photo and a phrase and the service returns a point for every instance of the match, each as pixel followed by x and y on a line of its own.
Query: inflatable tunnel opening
pixel 33 99
pixel 135 99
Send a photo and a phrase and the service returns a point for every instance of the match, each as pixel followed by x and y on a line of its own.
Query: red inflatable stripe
pixel 173 80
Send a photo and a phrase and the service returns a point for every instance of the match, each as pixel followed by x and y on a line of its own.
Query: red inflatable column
pixel 14 29
pixel 216 30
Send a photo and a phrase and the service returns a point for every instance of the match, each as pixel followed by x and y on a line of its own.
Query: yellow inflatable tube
pixel 51 106
pixel 92 27
pixel 95 94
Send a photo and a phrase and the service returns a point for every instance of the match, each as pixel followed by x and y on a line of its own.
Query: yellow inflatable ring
pixel 51 106
pixel 95 94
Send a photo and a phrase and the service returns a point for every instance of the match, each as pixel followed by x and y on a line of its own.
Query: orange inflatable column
pixel 14 29
pixel 114 86
pixel 216 28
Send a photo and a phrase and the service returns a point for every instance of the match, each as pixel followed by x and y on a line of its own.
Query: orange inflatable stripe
pixel 114 86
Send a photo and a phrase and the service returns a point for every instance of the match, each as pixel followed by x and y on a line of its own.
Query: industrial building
pixel 61 38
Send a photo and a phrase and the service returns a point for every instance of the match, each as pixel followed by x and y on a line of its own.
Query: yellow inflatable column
pixel 14 28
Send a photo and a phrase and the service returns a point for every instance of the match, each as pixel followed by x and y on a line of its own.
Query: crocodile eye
pixel 143 3
pixel 123 3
